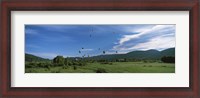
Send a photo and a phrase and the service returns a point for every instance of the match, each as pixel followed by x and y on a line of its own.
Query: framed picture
pixel 120 48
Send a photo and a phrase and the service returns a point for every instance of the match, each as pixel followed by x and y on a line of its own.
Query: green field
pixel 114 67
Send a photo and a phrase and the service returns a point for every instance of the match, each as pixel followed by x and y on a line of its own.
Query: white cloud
pixel 158 43
pixel 58 28
pixel 86 49
pixel 156 37
pixel 142 32
pixel 30 31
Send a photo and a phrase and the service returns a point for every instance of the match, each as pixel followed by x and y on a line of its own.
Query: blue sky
pixel 48 41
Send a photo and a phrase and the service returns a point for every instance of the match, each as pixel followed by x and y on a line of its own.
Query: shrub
pixel 28 66
pixel 48 67
pixel 67 61
pixel 70 63
pixel 55 71
pixel 145 61
pixel 110 63
pixel 50 64
pixel 31 71
pixel 101 70
pixel 82 63
pixel 121 60
pixel 40 65
pixel 168 59
pixel 61 64
pixel 102 60
pixel 64 67
pixel 75 63
pixel 74 67
pixel 59 60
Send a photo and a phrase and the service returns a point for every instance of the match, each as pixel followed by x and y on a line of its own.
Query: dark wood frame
pixel 99 5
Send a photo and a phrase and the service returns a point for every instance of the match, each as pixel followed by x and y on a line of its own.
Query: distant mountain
pixel 168 52
pixel 149 54
pixel 109 56
pixel 30 58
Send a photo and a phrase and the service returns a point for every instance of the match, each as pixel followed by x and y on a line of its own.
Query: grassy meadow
pixel 109 67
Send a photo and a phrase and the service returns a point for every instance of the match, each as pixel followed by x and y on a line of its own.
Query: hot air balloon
pixel 104 52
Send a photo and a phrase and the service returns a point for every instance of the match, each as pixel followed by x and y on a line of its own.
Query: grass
pixel 115 67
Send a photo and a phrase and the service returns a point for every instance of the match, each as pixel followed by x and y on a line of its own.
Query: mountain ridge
pixel 31 57
pixel 139 54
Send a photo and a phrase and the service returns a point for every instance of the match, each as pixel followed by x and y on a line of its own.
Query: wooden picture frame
pixel 99 5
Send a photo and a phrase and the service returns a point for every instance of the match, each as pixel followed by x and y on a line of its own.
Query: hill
pixel 148 54
pixel 168 52
pixel 30 58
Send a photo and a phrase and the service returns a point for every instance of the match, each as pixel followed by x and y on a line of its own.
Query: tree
pixel 168 59
pixel 59 60
pixel 66 61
